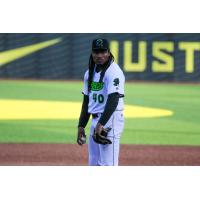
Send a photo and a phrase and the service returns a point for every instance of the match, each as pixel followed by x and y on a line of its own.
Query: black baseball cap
pixel 100 44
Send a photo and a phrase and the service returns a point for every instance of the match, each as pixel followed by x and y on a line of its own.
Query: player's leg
pixel 93 150
pixel 109 154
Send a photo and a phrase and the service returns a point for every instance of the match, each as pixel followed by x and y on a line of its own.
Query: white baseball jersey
pixel 113 81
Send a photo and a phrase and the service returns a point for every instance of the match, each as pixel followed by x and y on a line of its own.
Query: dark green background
pixel 69 59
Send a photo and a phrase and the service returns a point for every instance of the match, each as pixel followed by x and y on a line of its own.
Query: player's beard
pixel 100 67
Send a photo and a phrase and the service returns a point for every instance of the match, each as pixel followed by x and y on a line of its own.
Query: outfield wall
pixel 156 57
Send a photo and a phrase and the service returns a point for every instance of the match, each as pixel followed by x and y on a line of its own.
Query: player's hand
pixel 98 128
pixel 81 137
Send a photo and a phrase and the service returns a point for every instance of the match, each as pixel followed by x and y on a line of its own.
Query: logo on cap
pixel 99 43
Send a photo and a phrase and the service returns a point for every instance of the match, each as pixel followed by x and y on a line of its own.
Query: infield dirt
pixel 74 155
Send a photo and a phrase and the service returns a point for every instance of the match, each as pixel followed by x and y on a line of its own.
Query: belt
pixel 95 115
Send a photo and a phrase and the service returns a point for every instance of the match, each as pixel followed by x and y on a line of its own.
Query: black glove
pixel 101 138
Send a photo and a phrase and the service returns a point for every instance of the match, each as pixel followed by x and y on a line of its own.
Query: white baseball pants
pixel 106 155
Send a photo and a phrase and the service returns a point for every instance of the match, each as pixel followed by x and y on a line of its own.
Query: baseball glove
pixel 102 137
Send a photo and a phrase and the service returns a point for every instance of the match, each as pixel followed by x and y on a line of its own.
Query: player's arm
pixel 84 116
pixel 110 107
pixel 83 120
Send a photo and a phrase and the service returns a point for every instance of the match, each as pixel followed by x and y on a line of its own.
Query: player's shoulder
pixel 86 74
pixel 114 69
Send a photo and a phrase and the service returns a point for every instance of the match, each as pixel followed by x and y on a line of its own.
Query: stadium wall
pixel 149 57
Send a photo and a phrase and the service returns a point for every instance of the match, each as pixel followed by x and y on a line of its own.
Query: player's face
pixel 100 57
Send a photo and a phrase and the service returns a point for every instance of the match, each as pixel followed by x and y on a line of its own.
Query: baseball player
pixel 103 100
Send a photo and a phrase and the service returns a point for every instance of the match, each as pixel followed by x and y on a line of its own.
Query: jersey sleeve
pixel 85 87
pixel 115 82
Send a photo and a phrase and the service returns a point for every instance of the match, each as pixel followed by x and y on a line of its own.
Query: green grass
pixel 183 128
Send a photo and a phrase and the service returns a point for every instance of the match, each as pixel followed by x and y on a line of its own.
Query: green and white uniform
pixel 112 82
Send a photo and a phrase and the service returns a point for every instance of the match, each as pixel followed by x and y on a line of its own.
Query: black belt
pixel 95 115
